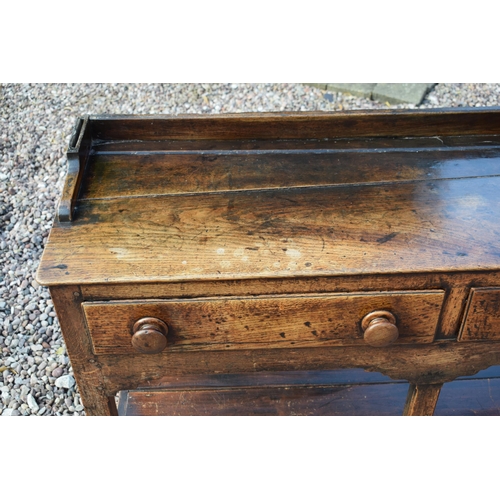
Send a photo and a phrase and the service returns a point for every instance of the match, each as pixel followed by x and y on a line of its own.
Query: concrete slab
pixel 357 89
pixel 321 86
pixel 400 93
pixel 393 93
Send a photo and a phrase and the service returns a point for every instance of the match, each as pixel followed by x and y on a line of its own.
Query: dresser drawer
pixel 263 322
pixel 482 316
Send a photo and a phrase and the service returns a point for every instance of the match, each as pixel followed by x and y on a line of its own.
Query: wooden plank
pixel 354 376
pixel 257 145
pixel 383 399
pixel 340 143
pixel 274 322
pixel 482 320
pixel 337 284
pixel 470 397
pixel 300 125
pixel 276 379
pixel 419 364
pixel 421 399
pixel 113 176
pixel 491 372
pixel 461 397
pixel 438 226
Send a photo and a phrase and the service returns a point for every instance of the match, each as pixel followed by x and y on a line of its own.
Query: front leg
pixel 96 397
pixel 422 399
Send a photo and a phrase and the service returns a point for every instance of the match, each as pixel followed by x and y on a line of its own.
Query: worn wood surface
pixel 421 400
pixel 380 328
pixel 469 398
pixel 419 363
pixel 78 155
pixel 300 125
pixel 138 146
pixel 483 315
pixel 336 284
pixel 408 227
pixel 347 201
pixel 347 392
pixel 281 322
pixel 216 216
pixel 352 376
pixel 146 174
pixel 387 399
pixel 96 399
pixel 452 313
pixel 149 335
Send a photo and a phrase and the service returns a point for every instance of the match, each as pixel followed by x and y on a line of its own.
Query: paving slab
pixel 401 93
pixel 321 86
pixel 357 89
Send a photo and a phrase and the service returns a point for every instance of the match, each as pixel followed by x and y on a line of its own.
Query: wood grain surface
pixel 353 376
pixel 434 226
pixel 482 320
pixel 111 176
pixel 418 363
pixel 280 379
pixel 386 399
pixel 469 398
pixel 138 146
pixel 78 154
pixel 311 393
pixel 421 400
pixel 280 322
pixel 208 222
pixel 96 397
pixel 299 125
pixel 337 284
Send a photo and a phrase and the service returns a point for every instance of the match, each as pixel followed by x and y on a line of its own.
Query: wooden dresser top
pixel 160 198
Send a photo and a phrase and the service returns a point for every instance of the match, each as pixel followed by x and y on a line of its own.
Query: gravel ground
pixel 35 124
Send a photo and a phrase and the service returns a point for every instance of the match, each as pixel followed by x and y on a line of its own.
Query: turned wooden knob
pixel 149 335
pixel 380 328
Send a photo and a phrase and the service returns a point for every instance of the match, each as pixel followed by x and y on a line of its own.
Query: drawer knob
pixel 149 335
pixel 380 328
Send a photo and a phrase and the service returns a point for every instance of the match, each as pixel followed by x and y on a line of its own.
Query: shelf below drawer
pixel 329 393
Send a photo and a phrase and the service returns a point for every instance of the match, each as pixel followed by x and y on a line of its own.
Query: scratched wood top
pixel 155 207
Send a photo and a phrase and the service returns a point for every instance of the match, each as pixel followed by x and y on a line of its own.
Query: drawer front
pixel 263 322
pixel 482 318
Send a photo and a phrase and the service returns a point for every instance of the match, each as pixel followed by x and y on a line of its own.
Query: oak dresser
pixel 282 242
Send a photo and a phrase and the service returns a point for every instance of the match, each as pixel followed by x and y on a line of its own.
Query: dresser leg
pixel 422 399
pixel 91 384
pixel 97 405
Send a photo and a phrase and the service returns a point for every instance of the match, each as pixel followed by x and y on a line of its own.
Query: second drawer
pixel 263 322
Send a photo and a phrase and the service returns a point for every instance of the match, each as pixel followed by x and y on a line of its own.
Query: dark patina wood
pixel 267 321
pixel 78 155
pixel 483 315
pixel 94 393
pixel 262 241
pixel 422 399
pixel 149 335
pixel 346 392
